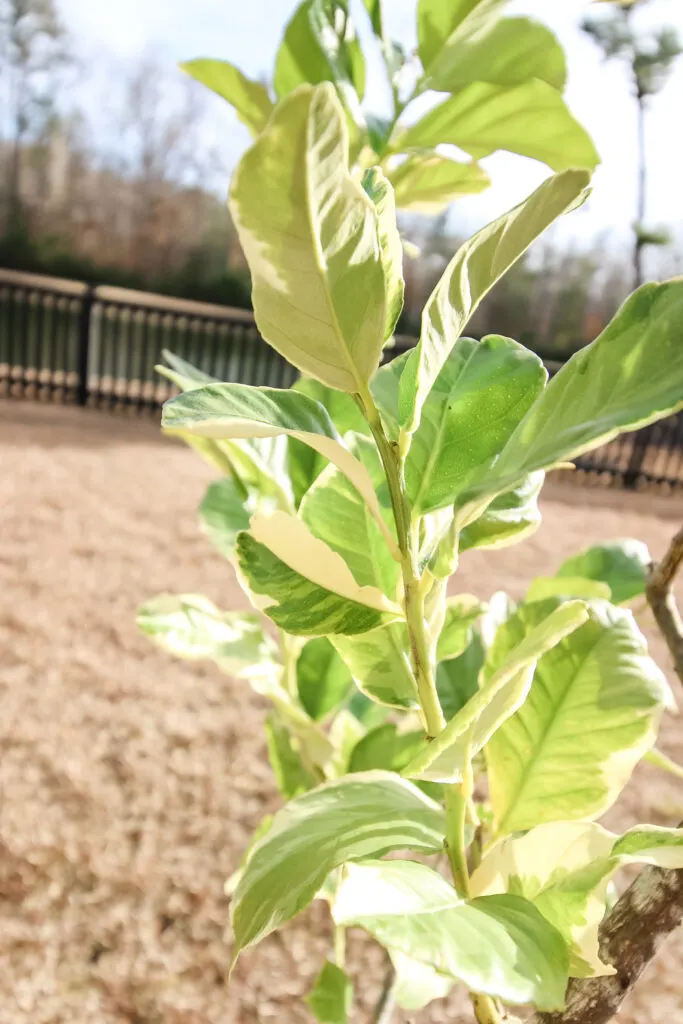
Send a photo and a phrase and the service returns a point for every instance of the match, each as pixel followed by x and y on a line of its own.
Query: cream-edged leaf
pixel 565 869
pixel 238 411
pixel 445 758
pixel 379 662
pixel 416 984
pixel 631 375
pixel 335 512
pixel 508 519
pixel 304 586
pixel 190 626
pixel 591 713
pixel 363 815
pixel 481 394
pixel 498 945
pixel 310 236
pixel 472 272
pixel 381 193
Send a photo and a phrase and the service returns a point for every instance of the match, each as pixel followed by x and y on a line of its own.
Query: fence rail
pixel 68 342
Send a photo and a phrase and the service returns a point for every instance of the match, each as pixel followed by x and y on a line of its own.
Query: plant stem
pixel 457 796
pixel 339 945
pixel 456 814
pixel 384 1010
pixel 432 714
pixel 485 1009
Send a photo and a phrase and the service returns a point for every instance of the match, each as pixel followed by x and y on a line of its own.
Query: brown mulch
pixel 130 782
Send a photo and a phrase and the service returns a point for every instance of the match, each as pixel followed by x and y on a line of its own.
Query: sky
pixel 248 32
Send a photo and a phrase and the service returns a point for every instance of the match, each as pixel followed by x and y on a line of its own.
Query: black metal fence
pixel 67 342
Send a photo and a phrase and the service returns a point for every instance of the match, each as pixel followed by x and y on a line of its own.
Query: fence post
pixel 83 350
pixel 641 442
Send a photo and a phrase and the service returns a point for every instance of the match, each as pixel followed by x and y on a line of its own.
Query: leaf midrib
pixel 317 248
pixel 540 746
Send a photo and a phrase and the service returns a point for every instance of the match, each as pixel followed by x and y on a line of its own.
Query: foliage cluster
pixel 405 718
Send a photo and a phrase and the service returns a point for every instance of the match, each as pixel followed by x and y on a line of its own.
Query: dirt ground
pixel 130 783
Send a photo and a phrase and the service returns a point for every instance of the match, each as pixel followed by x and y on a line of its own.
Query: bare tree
pixel 164 145
pixel 649 57
pixel 33 49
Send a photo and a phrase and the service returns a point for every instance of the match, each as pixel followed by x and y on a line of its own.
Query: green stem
pixel 432 714
pixel 458 796
pixel 485 1009
pixel 339 945
pixel 456 816
pixel 289 659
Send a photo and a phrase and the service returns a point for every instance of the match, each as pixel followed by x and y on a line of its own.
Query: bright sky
pixel 247 32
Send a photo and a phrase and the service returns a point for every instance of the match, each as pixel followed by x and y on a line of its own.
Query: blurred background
pixel 115 164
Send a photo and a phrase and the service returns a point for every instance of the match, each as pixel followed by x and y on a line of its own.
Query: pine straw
pixel 130 782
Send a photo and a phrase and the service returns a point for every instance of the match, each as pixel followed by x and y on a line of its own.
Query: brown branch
pixel 661 598
pixel 630 936
pixel 652 907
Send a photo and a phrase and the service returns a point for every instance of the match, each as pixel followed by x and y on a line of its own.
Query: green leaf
pixel 566 586
pixel 438 19
pixel 481 394
pixel 564 869
pixel 220 411
pixel 510 517
pixel 385 747
pixel 380 191
pixel 334 512
pixel 379 662
pixel 622 564
pixel 416 984
pixel 190 626
pixel 530 119
pixel 310 236
pixel 502 51
pixel 426 182
pixel 472 272
pixel 331 997
pixel 444 759
pixel 630 376
pixel 312 51
pixel 223 514
pixel 250 99
pixel 291 776
pixel 456 633
pixel 497 945
pixel 307 587
pixel 591 714
pixel 457 680
pixel 359 816
pixel 323 680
